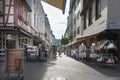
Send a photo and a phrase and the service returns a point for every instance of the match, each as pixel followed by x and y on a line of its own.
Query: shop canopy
pixel 82 38
pixel 57 3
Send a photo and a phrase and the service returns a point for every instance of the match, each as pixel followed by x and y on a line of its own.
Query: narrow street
pixel 65 68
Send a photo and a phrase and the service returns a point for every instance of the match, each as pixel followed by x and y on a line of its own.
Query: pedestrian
pixel 82 50
pixel 25 52
pixel 77 54
pixel 54 52
pixel 43 52
pixel 46 54
pixel 93 51
pixel 39 51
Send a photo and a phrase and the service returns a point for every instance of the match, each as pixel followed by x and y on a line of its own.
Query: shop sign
pixel 13 60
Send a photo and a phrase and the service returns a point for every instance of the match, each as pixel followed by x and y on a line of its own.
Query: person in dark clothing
pixel 46 54
pixel 25 51
pixel 43 52
pixel 54 52
pixel 39 50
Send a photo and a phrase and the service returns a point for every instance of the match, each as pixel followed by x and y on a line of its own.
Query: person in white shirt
pixel 82 50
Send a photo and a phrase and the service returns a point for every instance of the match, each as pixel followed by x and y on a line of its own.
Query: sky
pixel 57 20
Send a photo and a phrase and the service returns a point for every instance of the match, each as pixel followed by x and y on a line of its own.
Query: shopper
pixel 43 52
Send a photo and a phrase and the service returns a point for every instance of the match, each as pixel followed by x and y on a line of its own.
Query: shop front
pixel 105 44
pixel 14 38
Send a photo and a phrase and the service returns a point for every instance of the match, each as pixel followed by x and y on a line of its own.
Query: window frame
pixel 78 30
pixel 98 9
pixel 84 22
pixel 90 16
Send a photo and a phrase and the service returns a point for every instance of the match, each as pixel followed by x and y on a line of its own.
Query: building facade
pixel 14 28
pixel 96 21
pixel 23 22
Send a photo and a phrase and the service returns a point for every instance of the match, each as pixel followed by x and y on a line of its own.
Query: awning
pixel 26 33
pixel 97 30
pixel 57 3
pixel 7 28
pixel 68 45
pixel 87 37
pixel 71 43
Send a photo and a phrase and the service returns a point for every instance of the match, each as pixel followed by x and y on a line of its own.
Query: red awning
pixel 87 37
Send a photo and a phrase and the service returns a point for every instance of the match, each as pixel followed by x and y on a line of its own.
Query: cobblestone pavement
pixel 65 68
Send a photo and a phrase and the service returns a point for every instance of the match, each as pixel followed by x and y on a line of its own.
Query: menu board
pixel 13 60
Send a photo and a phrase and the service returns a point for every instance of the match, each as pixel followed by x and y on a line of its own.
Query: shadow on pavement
pixel 108 70
pixel 33 70
pixel 37 70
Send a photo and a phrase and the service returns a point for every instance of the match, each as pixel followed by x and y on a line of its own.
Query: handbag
pixel 111 46
pixel 100 59
pixel 110 60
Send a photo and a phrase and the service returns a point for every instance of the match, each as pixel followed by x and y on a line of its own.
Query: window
pixel 78 15
pixel 98 9
pixel 85 2
pixel 25 14
pixel 90 16
pixel 1 5
pixel 0 40
pixel 1 11
pixel 20 10
pixel 84 23
pixel 74 20
pixel 35 21
pixel 78 1
pixel 78 30
pixel 74 33
pixel 10 44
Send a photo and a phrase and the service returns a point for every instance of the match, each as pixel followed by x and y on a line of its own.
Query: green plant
pixel 64 41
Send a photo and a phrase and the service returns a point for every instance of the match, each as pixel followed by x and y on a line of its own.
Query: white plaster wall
pixel 99 24
pixel 78 22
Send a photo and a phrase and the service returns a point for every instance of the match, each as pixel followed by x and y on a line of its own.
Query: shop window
pixel 10 44
pixel 98 9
